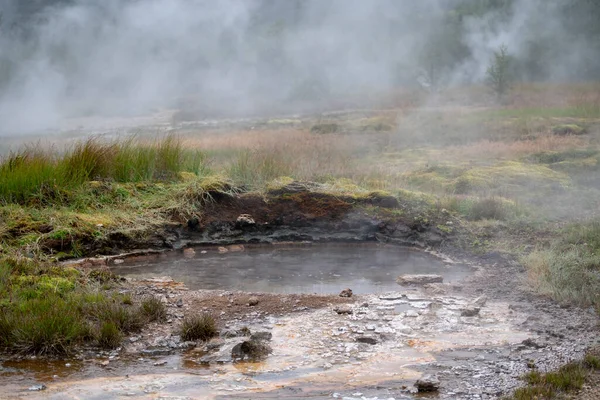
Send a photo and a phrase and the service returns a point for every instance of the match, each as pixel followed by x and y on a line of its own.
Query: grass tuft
pixel 591 361
pixel 110 336
pixel 47 325
pixel 198 327
pixel 567 379
pixel 154 309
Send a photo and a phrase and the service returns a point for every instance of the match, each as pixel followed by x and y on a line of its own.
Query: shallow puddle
pixel 320 269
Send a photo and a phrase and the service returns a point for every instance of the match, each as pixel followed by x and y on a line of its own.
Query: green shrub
pixel 198 327
pixel 498 74
pixel 154 309
pixel 110 336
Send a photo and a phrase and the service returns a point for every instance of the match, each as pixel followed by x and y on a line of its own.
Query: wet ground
pixel 319 269
pixel 477 335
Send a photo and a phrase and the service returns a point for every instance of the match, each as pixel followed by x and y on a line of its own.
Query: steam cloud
pixel 240 57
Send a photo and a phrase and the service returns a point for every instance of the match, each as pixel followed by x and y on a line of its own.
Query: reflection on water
pixel 321 269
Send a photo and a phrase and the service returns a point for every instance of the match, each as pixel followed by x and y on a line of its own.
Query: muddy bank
pixel 295 212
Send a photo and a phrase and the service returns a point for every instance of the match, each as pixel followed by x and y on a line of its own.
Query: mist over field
pixel 72 58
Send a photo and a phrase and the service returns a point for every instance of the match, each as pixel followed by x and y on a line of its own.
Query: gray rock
pixel 532 343
pixel 251 349
pixel 343 310
pixel 37 388
pixel 470 311
pixel 261 336
pixel 392 296
pixel 179 303
pixel 480 301
pixel 253 301
pixel 406 280
pixel 214 344
pixel 346 293
pixel 428 383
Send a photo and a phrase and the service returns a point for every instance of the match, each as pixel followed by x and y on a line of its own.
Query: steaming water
pixel 321 269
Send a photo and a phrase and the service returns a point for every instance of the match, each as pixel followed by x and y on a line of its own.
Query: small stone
pixel 189 252
pixel 427 383
pixel 222 250
pixel 366 339
pixel 470 311
pixel 104 363
pixel 68 365
pixel 406 280
pixel 480 301
pixel 343 310
pixel 253 301
pixel 118 261
pixel 179 302
pixel 159 363
pixel 346 293
pixel 37 388
pixel 531 343
pixel 392 296
pixel 365 305
pixel 244 221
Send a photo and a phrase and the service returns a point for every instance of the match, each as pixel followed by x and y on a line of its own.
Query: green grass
pixel 476 208
pixel 47 325
pixel 154 309
pixel 567 379
pixel 591 361
pixel 49 310
pixel 256 168
pixel 584 110
pixel 37 176
pixel 569 270
pixel 198 327
pixel 109 336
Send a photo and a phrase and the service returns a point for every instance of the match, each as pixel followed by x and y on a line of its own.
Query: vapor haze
pixel 245 57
